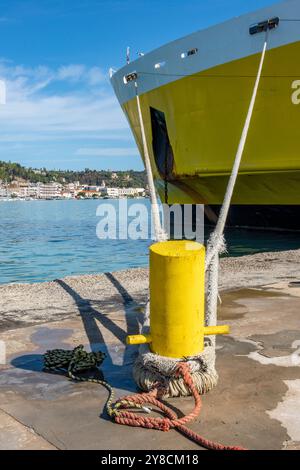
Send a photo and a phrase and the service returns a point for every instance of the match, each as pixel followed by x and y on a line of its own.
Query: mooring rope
pixel 216 243
pixel 121 414
pixel 159 232
pixel 217 236
pixel 78 361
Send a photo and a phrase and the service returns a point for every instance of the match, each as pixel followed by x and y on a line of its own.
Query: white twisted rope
pixel 159 232
pixel 149 367
pixel 216 243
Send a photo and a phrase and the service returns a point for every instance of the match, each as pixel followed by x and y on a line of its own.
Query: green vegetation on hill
pixel 11 171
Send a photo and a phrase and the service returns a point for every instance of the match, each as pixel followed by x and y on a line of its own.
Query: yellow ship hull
pixel 194 95
pixel 205 114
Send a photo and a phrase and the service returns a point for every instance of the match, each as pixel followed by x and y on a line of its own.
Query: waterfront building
pixel 111 192
pixel 49 190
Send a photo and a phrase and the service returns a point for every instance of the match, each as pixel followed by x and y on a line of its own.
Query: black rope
pixel 76 362
pixel 72 361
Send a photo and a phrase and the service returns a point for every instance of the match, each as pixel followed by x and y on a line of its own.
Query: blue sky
pixel 54 57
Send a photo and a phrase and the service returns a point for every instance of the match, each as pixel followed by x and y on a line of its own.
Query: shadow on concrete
pixel 90 316
pixel 30 362
pixel 121 289
pixel 117 366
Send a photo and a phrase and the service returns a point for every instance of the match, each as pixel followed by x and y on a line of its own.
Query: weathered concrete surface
pixel 256 403
pixel 19 436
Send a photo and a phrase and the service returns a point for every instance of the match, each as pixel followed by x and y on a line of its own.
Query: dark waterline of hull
pixel 258 229
pixel 271 217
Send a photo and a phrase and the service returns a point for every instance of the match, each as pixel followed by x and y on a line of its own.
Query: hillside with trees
pixel 13 171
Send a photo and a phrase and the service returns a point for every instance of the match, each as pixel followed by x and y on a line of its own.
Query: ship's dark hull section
pixel 271 217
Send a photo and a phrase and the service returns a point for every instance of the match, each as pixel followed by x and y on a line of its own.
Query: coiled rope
pixel 121 414
pixel 78 361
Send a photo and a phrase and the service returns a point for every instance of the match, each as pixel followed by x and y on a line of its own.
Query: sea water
pixel 47 240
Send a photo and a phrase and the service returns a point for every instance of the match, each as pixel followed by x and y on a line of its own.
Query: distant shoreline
pixel 74 199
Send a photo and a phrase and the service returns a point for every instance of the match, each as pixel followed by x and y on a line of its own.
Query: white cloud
pixel 95 76
pixel 75 73
pixel 2 92
pixel 121 135
pixel 61 114
pixel 35 109
pixel 108 152
pixel 71 72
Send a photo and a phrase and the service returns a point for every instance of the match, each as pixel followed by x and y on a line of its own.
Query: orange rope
pixel 129 418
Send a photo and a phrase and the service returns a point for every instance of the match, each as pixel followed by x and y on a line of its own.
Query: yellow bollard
pixel 177 300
